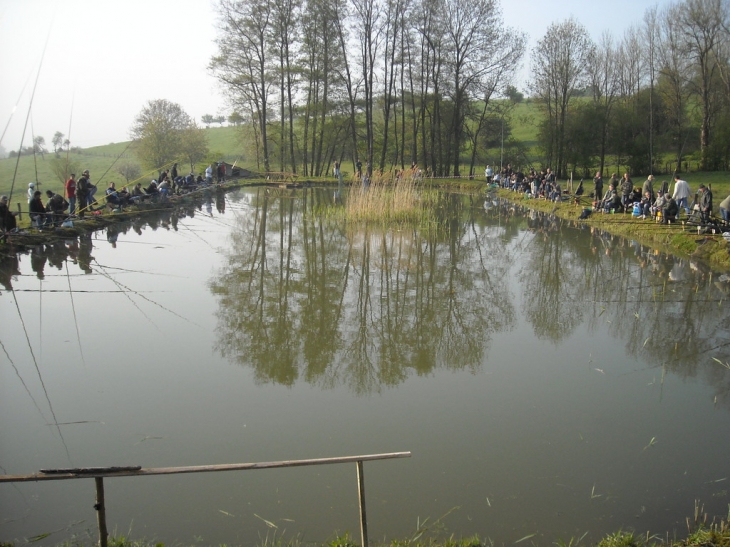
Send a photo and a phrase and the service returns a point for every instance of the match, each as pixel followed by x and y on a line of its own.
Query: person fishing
pixel 83 193
pixel 7 217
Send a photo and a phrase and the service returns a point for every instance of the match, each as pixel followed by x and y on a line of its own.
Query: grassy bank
pixel 715 536
pixel 681 240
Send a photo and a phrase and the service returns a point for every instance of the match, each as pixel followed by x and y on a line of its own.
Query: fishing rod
pixel 30 107
pixel 40 377
pixel 15 107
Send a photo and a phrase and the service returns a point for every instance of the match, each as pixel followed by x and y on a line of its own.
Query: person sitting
pixel 164 188
pixel 152 189
pixel 725 209
pixel 705 202
pixel 137 193
pixel 658 203
pixel 611 200
pixel 556 193
pixel 670 210
pixel 645 205
pixel 38 217
pixel 56 206
pixel 178 183
pixel 190 179
pixel 112 197
pixel 8 223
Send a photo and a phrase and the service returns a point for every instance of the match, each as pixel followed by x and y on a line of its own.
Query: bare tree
pixel 603 71
pixel 702 30
pixel 242 62
pixel 559 63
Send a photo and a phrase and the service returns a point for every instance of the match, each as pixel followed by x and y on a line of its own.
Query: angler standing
pixel 83 193
pixel 71 193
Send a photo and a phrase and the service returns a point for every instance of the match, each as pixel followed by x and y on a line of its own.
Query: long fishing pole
pixel 40 377
pixel 30 107
pixel 17 372
pixel 15 107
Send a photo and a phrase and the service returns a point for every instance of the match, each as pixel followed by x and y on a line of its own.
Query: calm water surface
pixel 548 380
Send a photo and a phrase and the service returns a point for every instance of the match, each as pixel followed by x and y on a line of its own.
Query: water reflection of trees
pixel 667 311
pixel 303 296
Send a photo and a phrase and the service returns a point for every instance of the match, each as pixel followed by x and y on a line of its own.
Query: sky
pixel 105 59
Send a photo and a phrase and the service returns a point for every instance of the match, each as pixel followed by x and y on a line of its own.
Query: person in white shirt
pixel 681 193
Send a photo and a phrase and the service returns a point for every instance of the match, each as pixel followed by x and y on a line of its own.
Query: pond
pixel 550 381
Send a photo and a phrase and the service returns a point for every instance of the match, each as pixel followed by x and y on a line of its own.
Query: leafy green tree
pixel 207 119
pixel 159 129
pixel 234 118
pixel 194 145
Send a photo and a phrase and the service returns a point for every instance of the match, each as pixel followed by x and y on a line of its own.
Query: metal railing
pixel 100 473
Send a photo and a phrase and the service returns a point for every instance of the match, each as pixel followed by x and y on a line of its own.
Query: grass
pixel 715 535
pixel 675 238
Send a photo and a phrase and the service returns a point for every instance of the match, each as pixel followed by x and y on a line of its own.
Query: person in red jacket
pixel 71 193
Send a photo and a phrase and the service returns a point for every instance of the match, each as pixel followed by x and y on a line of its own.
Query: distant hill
pixel 100 161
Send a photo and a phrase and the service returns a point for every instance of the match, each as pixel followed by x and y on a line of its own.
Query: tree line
pixel 385 82
pixel 656 97
pixel 395 82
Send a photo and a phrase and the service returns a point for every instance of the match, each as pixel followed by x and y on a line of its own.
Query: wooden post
pixel 101 511
pixel 363 516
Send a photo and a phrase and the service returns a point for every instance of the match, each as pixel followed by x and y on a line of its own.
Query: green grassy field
pixel 101 161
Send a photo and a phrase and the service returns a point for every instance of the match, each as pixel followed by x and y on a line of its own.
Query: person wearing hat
pixel 7 217
pixel 705 200
pixel 31 190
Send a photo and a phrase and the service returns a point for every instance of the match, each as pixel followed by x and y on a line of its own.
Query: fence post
pixel 101 511
pixel 363 516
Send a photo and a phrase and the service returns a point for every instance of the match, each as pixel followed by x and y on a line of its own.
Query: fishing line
pixel 130 299
pixel 73 308
pixel 23 382
pixel 40 377
pixel 40 316
pixel 145 298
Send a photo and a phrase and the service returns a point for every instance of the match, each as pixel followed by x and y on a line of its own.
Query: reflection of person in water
pixel 220 200
pixel 112 234
pixel 85 258
pixel 57 254
pixel 38 260
pixel 8 269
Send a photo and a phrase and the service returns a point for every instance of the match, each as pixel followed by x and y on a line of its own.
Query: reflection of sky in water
pixel 505 353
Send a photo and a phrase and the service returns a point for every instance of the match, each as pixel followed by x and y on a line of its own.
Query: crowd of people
pixel 79 196
pixel 622 196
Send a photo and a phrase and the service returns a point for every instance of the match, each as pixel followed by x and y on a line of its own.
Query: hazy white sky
pixel 106 58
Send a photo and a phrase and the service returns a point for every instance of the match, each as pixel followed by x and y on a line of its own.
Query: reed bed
pixel 387 199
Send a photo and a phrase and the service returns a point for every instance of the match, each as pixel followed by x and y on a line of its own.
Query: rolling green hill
pixel 102 162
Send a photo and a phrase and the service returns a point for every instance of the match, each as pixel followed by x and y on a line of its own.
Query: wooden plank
pixel 36 477
pixel 361 496
pixel 100 507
